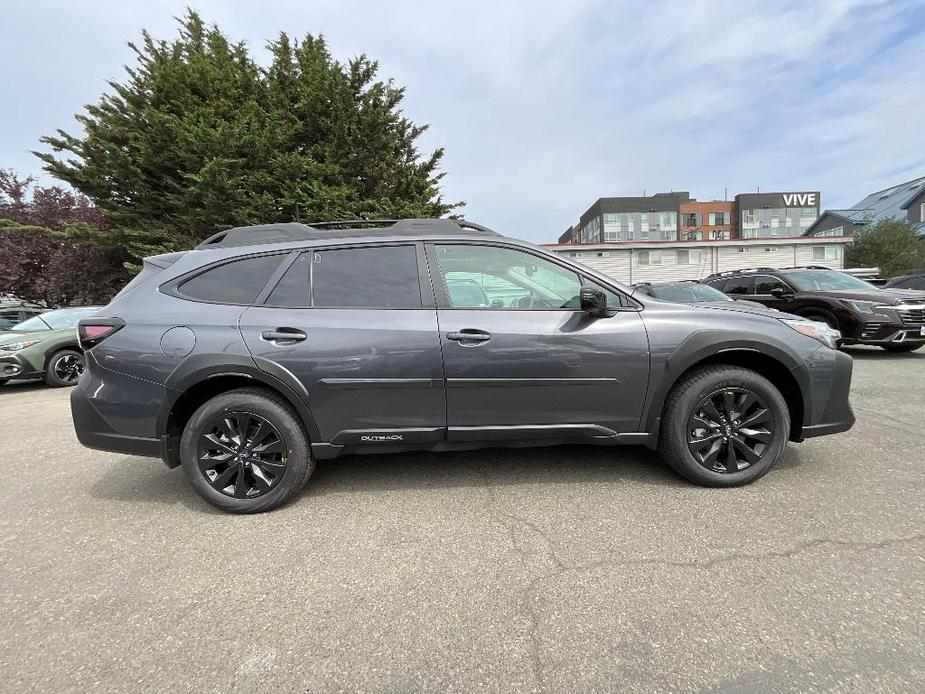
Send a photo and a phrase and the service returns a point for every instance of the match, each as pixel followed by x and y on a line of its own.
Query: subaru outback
pixel 267 348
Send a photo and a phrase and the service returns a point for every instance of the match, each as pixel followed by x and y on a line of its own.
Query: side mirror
pixel 593 301
pixel 780 293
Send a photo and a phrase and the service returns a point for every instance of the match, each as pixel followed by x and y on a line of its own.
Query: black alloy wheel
pixel 64 368
pixel 730 430
pixel 69 367
pixel 242 455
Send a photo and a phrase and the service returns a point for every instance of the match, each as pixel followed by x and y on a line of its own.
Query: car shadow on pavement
pixel 877 354
pixel 496 467
pixel 19 387
pixel 135 479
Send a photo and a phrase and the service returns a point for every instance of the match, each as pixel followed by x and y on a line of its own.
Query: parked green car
pixel 45 346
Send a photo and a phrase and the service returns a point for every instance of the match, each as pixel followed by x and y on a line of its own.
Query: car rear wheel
pixel 904 347
pixel 245 451
pixel 724 426
pixel 64 368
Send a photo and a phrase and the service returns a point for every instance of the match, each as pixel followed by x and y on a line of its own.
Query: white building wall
pixel 621 261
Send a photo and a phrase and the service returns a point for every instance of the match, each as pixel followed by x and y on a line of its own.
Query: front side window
pixel 506 279
pixel 237 282
pixel 766 284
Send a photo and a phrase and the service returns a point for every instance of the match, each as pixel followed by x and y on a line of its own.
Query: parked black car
pixel 893 319
pixel 268 347
pixel 690 292
pixel 914 279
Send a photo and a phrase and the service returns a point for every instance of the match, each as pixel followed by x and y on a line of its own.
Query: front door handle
pixel 469 335
pixel 283 335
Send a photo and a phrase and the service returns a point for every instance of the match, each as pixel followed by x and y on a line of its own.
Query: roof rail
pixel 741 271
pixel 285 232
pixel 806 267
pixel 353 223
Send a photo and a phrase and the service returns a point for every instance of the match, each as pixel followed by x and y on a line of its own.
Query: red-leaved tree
pixel 53 246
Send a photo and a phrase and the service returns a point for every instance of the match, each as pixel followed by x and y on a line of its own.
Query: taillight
pixel 92 331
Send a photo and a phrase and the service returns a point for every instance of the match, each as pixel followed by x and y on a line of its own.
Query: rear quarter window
pixel 236 282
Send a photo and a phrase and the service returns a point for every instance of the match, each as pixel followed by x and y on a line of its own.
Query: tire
pixel 4 381
pixel 277 458
pixel 64 368
pixel 765 438
pixel 907 347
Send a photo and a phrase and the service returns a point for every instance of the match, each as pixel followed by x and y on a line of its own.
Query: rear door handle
pixel 283 335
pixel 469 335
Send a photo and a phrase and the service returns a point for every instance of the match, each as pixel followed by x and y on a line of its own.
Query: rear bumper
pixel 93 431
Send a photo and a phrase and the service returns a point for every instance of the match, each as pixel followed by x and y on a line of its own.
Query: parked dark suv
pixel 269 347
pixel 914 279
pixel 864 314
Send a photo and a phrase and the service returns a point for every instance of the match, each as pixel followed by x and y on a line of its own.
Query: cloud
pixel 545 106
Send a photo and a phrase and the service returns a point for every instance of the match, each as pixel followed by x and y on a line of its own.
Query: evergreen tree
pixel 200 138
pixel 893 245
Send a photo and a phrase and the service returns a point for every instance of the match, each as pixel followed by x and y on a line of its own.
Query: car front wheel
pixel 724 426
pixel 245 451
pixel 64 368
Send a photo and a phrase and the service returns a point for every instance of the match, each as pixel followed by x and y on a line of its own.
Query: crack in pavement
pixel 560 567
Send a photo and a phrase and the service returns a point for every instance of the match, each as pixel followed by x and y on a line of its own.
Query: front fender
pixel 670 362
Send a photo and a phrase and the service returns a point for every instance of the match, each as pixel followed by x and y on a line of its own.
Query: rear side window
pixel 380 277
pixel 738 285
pixel 237 282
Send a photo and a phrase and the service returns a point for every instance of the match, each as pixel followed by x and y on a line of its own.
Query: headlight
pixel 862 306
pixel 818 331
pixel 16 346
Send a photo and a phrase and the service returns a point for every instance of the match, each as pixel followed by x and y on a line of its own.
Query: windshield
pixel 821 280
pixel 62 319
pixel 687 293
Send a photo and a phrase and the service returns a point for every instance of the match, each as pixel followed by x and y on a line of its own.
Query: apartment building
pixel 710 220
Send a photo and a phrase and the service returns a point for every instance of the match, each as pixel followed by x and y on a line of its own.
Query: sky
pixel 543 107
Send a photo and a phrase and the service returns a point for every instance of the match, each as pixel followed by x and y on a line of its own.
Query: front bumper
pixel 830 411
pixel 16 366
pixel 888 326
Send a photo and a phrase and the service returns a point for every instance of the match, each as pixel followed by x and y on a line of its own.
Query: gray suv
pixel 269 347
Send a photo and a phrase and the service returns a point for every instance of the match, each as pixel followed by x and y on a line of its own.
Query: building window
pixel 691 257
pixel 749 217
pixel 770 249
pixel 720 235
pixel 742 249
pixel 648 257
pixel 689 219
pixel 808 212
pixel 718 218
pixel 825 252
pixel 603 254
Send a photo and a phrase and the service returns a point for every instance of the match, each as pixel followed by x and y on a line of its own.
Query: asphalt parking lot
pixel 560 569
